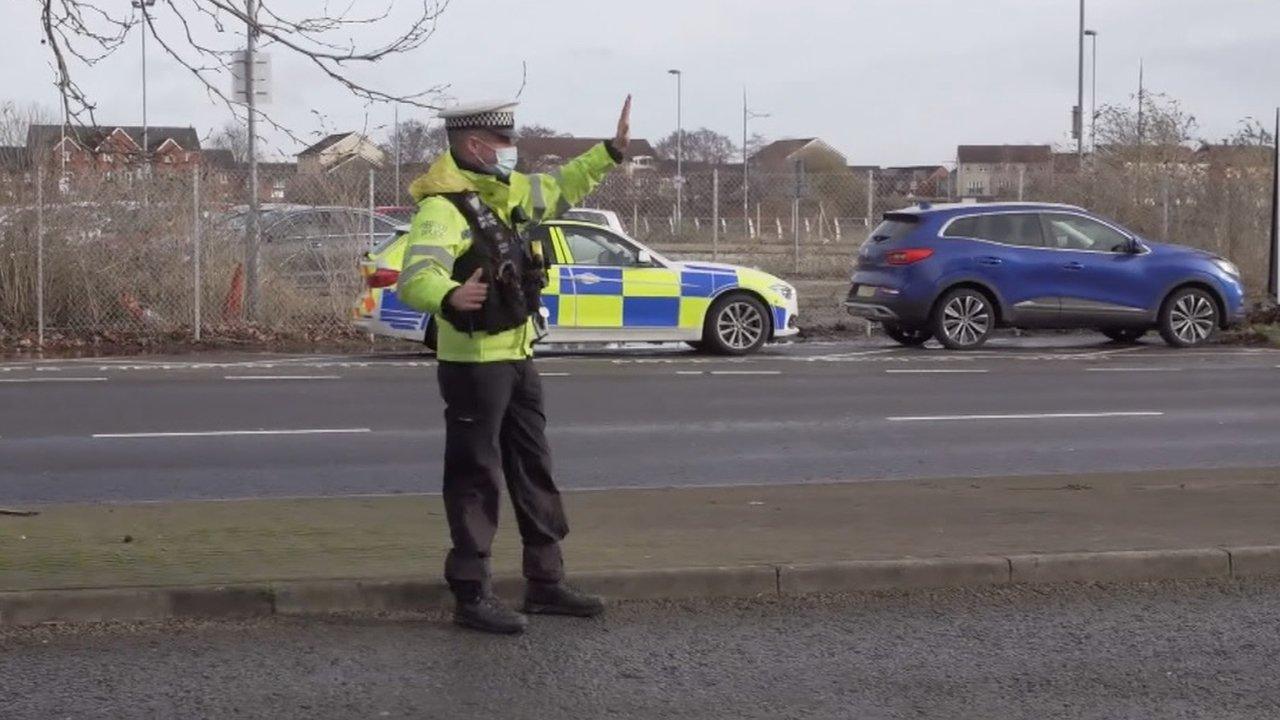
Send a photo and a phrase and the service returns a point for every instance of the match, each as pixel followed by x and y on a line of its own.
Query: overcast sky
pixel 885 81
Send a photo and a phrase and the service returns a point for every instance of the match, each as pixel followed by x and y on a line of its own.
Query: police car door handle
pixel 588 278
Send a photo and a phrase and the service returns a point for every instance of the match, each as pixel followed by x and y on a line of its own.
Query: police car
pixel 606 287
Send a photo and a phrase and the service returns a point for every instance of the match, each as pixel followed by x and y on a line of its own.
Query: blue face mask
pixel 504 162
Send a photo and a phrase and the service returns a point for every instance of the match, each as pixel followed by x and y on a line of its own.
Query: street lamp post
pixel 143 5
pixel 747 114
pixel 679 153
pixel 1077 117
pixel 1093 92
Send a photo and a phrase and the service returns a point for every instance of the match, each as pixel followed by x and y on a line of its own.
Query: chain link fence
pixel 164 256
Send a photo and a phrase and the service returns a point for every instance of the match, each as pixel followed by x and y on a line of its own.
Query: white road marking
pixel 229 433
pixel 555 374
pixel 1028 416
pixel 938 371
pixel 689 372
pixel 746 372
pixel 1134 369
pixel 281 377
pixel 53 380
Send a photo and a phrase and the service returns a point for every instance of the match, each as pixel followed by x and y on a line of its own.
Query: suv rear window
pixel 894 227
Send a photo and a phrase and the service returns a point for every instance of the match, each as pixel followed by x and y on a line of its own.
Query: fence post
pixel 40 256
pixel 371 177
pixel 1164 196
pixel 715 214
pixel 871 196
pixel 635 217
pixel 795 230
pixel 195 237
pixel 1022 180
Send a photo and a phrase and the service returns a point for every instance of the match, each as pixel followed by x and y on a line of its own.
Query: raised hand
pixel 623 137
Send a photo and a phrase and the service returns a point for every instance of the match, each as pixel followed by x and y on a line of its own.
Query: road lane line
pixel 746 372
pixel 229 433
pixel 281 377
pixel 938 371
pixel 556 374
pixel 689 372
pixel 1028 416
pixel 1134 369
pixel 53 380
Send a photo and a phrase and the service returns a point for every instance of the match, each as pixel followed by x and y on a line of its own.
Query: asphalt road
pixel 252 426
pixel 1163 651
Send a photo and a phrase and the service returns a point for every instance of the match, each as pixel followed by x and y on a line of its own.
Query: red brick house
pixel 113 151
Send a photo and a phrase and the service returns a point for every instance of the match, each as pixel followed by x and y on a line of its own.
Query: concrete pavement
pixel 1167 650
pixel 269 426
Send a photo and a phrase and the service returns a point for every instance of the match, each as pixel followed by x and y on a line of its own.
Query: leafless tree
pixel 16 118
pixel 756 143
pixel 701 145
pixel 1161 124
pixel 525 131
pixel 233 136
pixel 419 141
pixel 208 33
pixel 1252 132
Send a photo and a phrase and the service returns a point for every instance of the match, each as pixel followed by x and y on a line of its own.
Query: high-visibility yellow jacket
pixel 439 234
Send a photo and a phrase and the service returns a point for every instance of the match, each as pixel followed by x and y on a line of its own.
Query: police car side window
pixel 595 247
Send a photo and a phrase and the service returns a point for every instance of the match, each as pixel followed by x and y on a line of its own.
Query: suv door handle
pixel 988 260
pixel 1074 266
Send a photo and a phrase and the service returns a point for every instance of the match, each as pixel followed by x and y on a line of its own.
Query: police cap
pixel 496 116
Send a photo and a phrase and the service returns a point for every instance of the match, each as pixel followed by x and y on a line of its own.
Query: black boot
pixel 486 613
pixel 560 599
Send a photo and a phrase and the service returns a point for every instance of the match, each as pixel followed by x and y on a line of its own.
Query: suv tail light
pixel 907 257
pixel 382 277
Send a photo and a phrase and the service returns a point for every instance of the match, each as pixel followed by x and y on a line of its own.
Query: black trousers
pixel 495 427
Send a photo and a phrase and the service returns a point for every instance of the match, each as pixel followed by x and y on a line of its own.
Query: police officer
pixel 469 264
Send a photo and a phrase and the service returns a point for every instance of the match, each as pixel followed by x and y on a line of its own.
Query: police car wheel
pixel 736 325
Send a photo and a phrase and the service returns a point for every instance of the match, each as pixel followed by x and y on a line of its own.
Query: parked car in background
pixel 314 246
pixel 399 213
pixel 956 272
pixel 607 287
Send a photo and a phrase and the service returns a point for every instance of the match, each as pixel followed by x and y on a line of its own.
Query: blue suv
pixel 956 272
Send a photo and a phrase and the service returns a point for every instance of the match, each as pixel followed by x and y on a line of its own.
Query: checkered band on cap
pixel 501 119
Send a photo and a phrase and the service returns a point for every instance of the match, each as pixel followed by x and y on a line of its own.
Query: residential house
pixel 914 181
pixel 230 179
pixel 783 156
pixel 113 151
pixel 538 154
pixel 1236 161
pixel 341 151
pixel 997 171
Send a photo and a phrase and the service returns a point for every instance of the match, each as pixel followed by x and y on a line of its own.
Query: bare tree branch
pixel 209 33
